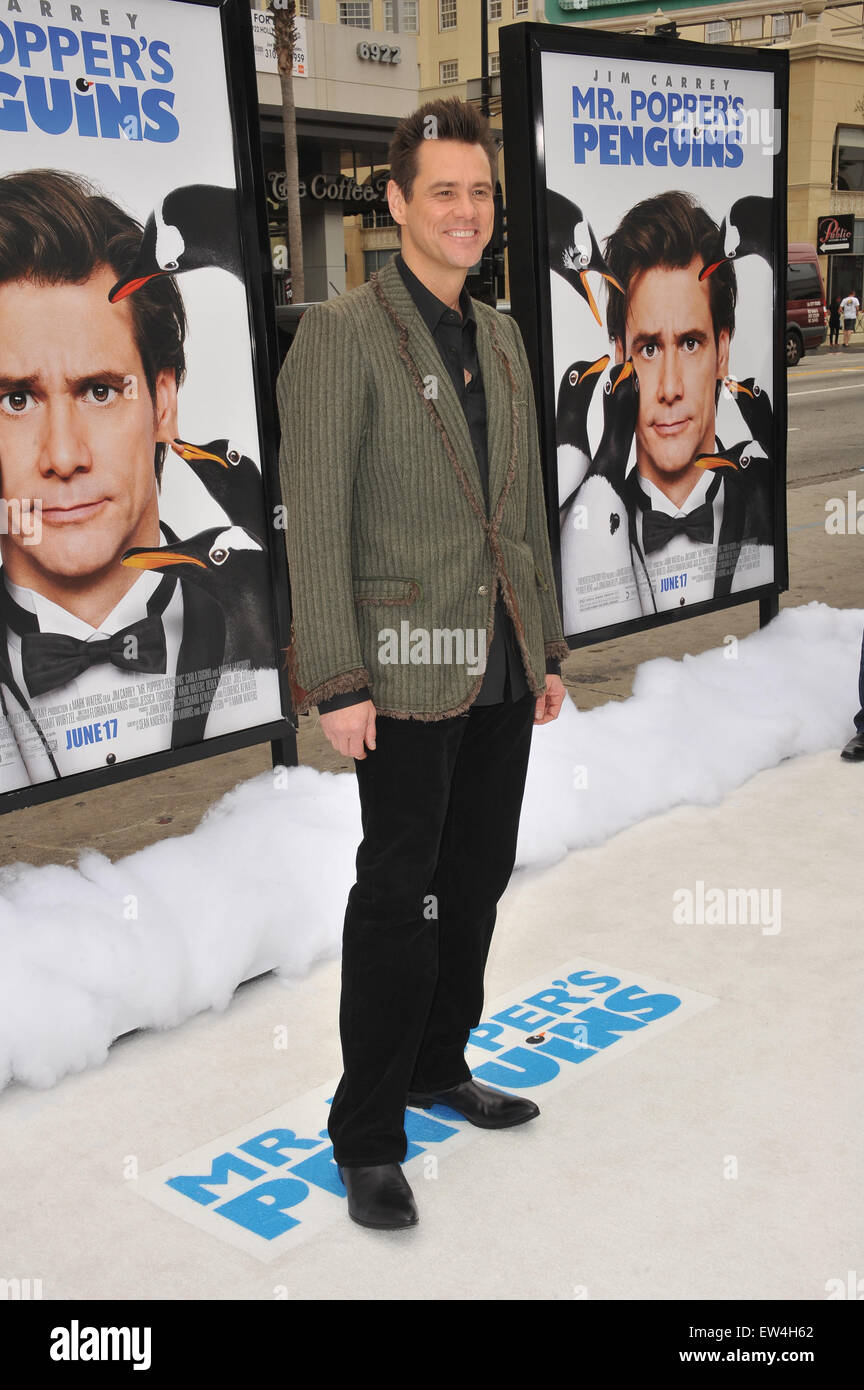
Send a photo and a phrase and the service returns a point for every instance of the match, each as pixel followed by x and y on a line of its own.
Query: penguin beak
pixel 714 461
pixel 588 296
pixel 709 269
pixel 739 390
pixel 607 275
pixel 599 366
pixel 192 451
pixel 626 370
pixel 124 288
pixel 155 559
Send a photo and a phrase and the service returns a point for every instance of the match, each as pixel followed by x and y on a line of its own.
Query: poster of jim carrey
pixel 135 587
pixel 659 236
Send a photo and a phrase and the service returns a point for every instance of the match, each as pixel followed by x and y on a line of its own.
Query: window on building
pixel 303 8
pixel 377 217
pixel 409 16
pixel 520 7
pixel 780 26
pixel 751 27
pixel 356 13
pixel 447 14
pixel 448 72
pixel 849 158
pixel 494 63
pixel 375 260
pixel 719 32
pixel 494 10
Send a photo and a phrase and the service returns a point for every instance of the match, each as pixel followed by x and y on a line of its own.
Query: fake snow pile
pixel 90 952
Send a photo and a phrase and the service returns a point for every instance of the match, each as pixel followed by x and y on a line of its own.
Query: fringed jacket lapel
pixel 422 359
pixel 502 409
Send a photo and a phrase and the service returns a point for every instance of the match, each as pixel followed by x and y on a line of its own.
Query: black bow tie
pixel 50 659
pixel 658 528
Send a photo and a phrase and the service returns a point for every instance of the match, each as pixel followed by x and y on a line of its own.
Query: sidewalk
pixel 856 345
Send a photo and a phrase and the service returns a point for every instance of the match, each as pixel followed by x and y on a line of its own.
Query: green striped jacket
pixel 386 530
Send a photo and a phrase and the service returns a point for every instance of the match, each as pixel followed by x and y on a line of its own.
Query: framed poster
pixel 647 272
pixel 143 590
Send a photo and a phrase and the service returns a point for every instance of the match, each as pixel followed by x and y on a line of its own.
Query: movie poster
pixel 657 228
pixel 136 587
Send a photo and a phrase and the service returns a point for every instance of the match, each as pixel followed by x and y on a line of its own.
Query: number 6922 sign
pixel 379 52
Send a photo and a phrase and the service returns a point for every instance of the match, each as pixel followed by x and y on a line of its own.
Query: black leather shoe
pixel 854 750
pixel 482 1105
pixel 379 1196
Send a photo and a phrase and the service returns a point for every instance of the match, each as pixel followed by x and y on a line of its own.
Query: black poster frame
pixel 521 50
pixel 241 89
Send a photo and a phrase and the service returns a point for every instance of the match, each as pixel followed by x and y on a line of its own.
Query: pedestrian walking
pixel 849 308
pixel 834 323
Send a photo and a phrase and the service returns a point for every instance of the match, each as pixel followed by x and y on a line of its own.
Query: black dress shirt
pixel 455 336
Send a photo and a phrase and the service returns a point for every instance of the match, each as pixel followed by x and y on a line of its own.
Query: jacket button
pixel 484 589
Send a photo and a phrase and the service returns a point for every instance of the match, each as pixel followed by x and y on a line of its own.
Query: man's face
pixel 78 428
pixel 670 336
pixel 449 218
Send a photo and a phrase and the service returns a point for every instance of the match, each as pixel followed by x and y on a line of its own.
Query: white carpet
pixel 719 1158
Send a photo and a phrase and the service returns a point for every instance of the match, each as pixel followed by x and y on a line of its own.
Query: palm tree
pixel 283 12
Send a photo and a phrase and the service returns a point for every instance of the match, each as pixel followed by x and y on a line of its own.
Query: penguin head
pixel 740 456
pixel 581 253
pixel 719 254
pixel 578 383
pixel 221 554
pixel 162 252
pixel 574 399
pixel 730 236
pixel 573 248
pixel 223 453
pixel 578 249
pixel 623 379
pixel 191 227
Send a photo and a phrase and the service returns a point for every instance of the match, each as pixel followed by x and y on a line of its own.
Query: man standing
pixel 411 472
pixel 849 309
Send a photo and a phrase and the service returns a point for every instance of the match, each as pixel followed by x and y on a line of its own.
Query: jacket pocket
pixel 386 590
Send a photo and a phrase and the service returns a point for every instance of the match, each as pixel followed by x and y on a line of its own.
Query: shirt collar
pixel 432 308
pixel 661 503
pixel 696 496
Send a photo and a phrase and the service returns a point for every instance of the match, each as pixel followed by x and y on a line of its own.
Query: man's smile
pixel 74 511
pixel 668 428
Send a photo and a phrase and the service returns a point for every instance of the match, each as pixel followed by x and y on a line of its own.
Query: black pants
pixel 859 718
pixel 440 804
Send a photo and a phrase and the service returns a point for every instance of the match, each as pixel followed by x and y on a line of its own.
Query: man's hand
pixel 349 728
pixel 549 704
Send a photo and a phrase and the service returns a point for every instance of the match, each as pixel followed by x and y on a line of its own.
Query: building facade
pixel 353 93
